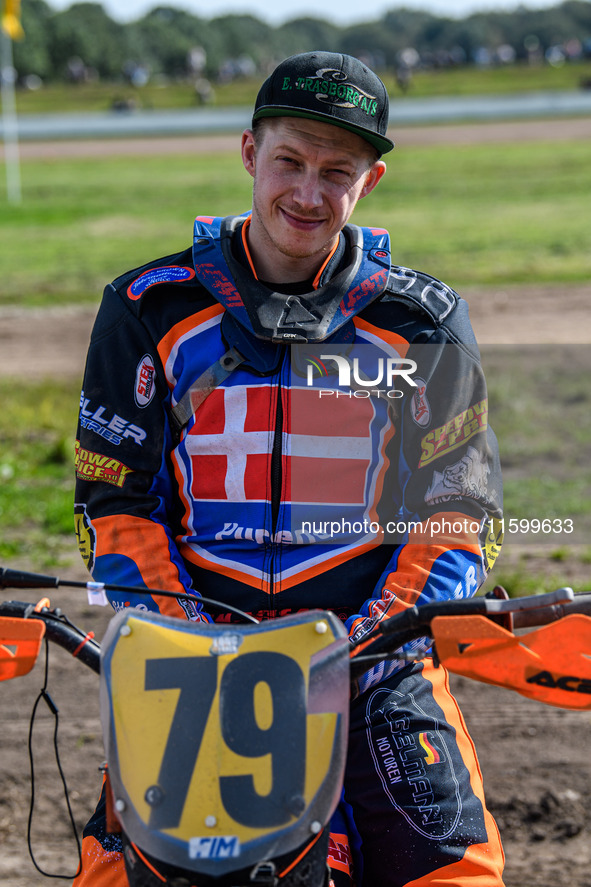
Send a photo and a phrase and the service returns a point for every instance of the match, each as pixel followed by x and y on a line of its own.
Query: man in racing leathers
pixel 279 418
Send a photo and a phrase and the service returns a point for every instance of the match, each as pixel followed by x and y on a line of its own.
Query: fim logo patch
pixel 222 847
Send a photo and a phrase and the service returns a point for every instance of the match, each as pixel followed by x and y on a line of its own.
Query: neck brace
pixel 273 316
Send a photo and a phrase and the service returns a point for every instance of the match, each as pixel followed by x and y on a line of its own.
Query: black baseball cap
pixel 330 87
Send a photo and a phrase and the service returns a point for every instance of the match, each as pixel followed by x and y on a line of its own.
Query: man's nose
pixel 308 192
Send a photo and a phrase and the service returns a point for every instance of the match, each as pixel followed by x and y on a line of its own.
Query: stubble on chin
pixel 287 245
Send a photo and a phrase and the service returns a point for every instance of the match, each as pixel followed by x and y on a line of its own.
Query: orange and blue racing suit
pixel 326 446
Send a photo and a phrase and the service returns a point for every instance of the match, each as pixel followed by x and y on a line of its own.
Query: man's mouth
pixel 302 223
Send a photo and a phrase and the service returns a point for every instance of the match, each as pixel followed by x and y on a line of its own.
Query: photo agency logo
pixel 360 376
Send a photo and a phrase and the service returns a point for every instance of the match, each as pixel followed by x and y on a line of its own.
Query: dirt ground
pixel 534 758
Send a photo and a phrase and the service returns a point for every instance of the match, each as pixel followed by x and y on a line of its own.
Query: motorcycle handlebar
pixel 382 643
pixel 526 612
pixel 20 579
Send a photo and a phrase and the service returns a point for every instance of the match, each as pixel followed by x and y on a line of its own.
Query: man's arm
pixel 447 528
pixel 123 478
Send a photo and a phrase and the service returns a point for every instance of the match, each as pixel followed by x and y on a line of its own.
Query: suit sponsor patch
pixel 112 427
pixel 167 274
pixel 85 535
pixel 145 381
pixel 420 766
pixel 96 467
pixel 454 433
pixel 420 409
pixel 466 478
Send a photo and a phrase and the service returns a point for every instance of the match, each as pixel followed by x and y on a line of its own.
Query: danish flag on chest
pixel 326 449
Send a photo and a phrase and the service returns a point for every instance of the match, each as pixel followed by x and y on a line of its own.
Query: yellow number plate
pixel 223 740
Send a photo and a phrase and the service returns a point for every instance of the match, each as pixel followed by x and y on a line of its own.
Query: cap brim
pixel 379 142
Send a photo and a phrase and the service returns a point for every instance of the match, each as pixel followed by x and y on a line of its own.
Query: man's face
pixel 308 177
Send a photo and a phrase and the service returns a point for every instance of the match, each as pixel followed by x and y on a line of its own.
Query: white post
pixel 9 122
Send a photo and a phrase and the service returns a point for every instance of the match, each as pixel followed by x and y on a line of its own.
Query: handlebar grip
pixel 21 579
pixel 581 603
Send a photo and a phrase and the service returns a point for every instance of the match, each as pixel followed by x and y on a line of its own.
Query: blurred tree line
pixel 83 42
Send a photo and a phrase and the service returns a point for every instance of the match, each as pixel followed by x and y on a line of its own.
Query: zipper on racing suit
pixel 276 463
pixel 276 478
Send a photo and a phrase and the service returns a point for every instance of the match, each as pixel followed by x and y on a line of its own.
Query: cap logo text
pixel 331 87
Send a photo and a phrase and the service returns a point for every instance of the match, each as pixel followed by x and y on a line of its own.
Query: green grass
pixel 436 82
pixel 484 214
pixel 474 214
pixel 37 430
pixel 532 576
pixel 540 409
pixel 83 222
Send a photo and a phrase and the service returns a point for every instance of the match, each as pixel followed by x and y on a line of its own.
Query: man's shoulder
pixel 427 306
pixel 421 307
pixel 165 290
pixel 174 268
pixel 421 292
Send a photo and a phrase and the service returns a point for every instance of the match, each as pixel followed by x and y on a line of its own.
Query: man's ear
pixel 374 175
pixel 248 151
